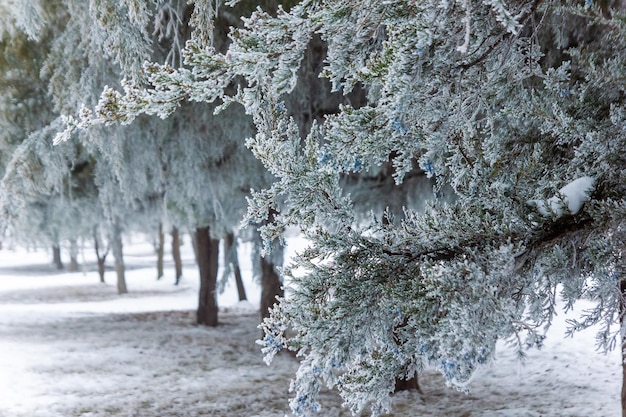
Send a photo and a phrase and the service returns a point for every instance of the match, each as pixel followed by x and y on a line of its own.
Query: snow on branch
pixel 570 197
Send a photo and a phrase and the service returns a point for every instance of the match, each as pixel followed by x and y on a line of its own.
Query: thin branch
pixel 493 46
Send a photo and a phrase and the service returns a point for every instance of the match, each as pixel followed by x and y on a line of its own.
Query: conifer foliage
pixel 517 106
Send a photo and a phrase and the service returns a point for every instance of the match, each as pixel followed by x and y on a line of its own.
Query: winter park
pixel 312 208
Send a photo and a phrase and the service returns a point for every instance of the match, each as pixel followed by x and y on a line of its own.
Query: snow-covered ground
pixel 70 346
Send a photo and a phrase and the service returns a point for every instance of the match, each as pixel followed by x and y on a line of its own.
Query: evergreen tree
pixel 517 106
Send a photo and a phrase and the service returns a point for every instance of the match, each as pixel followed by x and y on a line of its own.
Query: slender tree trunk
pixel 178 264
pixel 160 252
pixel 101 266
pixel 271 285
pixel 118 256
pixel 101 258
pixel 233 258
pixel 56 256
pixel 73 256
pixel 207 258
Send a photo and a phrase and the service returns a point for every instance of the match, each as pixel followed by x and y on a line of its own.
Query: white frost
pixel 572 196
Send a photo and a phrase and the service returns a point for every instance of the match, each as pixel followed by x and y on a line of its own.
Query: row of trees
pixel 514 108
pixel 190 172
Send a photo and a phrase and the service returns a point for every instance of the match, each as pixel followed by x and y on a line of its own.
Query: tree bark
pixel 101 268
pixel 207 255
pixel 178 264
pixel 118 256
pixel 160 252
pixel 271 286
pixel 73 256
pixel 233 258
pixel 101 259
pixel 56 256
pixel 408 384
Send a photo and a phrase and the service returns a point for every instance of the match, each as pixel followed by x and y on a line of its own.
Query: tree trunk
pixel 101 266
pixel 233 258
pixel 178 264
pixel 73 256
pixel 118 256
pixel 271 286
pixel 207 258
pixel 408 384
pixel 56 256
pixel 160 252
pixel 101 259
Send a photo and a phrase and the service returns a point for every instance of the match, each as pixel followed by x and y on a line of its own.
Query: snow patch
pixel 572 196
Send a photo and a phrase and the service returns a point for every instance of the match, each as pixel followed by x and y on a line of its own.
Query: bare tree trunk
pixel 160 252
pixel 207 259
pixel 56 256
pixel 101 258
pixel 271 285
pixel 178 264
pixel 73 256
pixel 101 267
pixel 118 256
pixel 233 258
